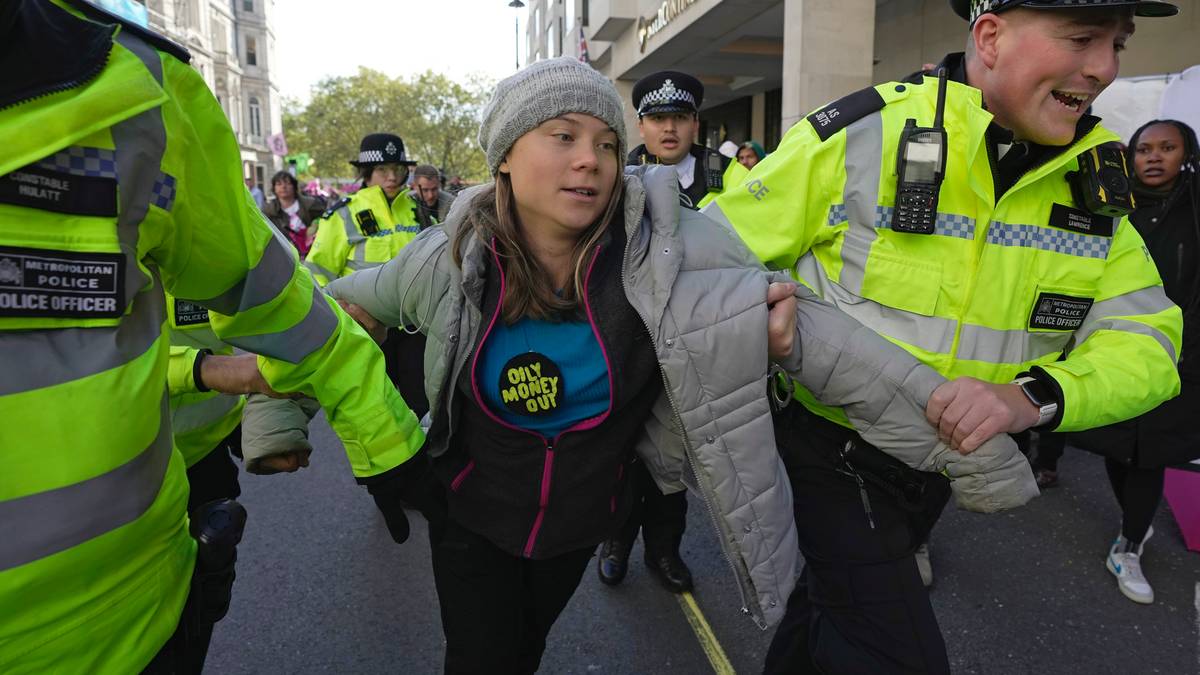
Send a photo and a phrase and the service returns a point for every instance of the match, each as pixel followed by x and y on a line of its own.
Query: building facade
pixel 233 46
pixel 767 63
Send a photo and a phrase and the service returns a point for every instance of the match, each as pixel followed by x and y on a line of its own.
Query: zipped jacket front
pixel 537 496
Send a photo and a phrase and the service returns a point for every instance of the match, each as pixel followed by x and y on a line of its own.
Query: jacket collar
pixel 46 49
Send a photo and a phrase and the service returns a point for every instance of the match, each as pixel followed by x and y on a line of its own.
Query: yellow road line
pixel 704 633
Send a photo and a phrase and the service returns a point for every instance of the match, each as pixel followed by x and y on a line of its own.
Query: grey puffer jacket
pixel 702 295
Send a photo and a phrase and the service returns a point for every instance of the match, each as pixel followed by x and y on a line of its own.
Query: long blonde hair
pixel 529 290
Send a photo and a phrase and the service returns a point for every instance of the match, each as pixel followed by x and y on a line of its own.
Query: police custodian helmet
pixel 667 91
pixel 381 149
pixel 972 9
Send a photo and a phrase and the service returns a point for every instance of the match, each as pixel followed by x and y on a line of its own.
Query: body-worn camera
pixel 366 222
pixel 1102 185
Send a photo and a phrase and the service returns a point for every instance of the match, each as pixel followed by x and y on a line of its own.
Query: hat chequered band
pixel 82 161
pixel 667 94
pixel 375 156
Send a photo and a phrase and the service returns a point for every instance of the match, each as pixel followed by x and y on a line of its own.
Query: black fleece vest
pixel 537 500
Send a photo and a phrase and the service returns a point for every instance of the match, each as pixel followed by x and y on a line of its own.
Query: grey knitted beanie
pixel 541 91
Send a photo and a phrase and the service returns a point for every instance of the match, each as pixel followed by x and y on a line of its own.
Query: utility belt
pixel 922 495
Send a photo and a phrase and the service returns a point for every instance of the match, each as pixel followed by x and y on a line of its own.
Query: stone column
pixel 625 89
pixel 828 50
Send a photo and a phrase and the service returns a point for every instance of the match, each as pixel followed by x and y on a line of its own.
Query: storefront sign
pixel 667 12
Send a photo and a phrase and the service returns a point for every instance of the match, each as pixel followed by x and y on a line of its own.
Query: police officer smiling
pixel 976 254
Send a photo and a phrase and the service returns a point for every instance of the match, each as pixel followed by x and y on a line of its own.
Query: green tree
pixel 437 118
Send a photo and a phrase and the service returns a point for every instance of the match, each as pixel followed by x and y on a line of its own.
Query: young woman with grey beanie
pixel 576 314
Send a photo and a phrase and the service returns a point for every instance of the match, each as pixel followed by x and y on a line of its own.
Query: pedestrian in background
pixel 1165 158
pixel 255 192
pixel 750 153
pixel 295 214
pixel 433 203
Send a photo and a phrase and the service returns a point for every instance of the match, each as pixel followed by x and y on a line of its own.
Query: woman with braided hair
pixel 1165 157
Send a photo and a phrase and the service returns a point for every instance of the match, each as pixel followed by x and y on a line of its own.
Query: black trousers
pixel 213 477
pixel 661 518
pixel 1139 491
pixel 404 358
pixel 859 606
pixel 497 608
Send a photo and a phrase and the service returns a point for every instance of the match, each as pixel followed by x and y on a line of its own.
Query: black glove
pixel 388 498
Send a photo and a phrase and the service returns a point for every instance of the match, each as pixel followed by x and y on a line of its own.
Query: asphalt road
pixel 321 588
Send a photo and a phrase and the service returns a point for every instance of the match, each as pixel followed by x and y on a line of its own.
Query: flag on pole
pixel 277 144
pixel 583 55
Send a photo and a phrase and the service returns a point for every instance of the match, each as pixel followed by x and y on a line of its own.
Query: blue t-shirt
pixel 543 376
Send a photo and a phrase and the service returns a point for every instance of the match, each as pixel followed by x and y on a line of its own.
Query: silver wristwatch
pixel 1040 395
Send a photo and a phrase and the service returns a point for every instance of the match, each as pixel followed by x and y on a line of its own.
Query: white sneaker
pixel 1124 561
pixel 923 564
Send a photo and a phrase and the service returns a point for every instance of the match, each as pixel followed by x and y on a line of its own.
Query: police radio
pixel 366 222
pixel 921 166
pixel 1102 183
pixel 714 176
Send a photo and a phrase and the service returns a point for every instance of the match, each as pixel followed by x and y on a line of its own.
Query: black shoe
pixel 671 572
pixel 613 561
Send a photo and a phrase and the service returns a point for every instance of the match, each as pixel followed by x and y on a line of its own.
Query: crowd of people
pixel 823 344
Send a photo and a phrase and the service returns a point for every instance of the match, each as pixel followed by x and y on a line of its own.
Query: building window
pixel 255 117
pixel 251 51
pixel 248 5
pixel 584 12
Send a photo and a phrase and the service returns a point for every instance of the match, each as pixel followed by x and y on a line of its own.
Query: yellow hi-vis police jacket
pixel 1000 287
pixel 199 419
pixel 120 177
pixel 345 242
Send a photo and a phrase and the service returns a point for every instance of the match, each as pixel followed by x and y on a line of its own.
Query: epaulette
pixel 156 40
pixel 333 208
pixel 845 111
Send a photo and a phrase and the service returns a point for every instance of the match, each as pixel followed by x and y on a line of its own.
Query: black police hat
pixel 381 149
pixel 667 91
pixel 971 9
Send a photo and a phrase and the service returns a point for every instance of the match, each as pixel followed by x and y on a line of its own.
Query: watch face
pixel 1039 391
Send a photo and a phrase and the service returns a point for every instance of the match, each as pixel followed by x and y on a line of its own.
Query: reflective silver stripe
pixel 148 55
pixel 929 333
pixel 1125 326
pixel 1048 239
pixel 318 270
pixel 860 197
pixel 993 345
pixel 40 525
pixel 69 354
pixel 356 265
pixel 261 284
pixel 140 142
pixel 200 414
pixel 1149 300
pixel 355 239
pixel 297 342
